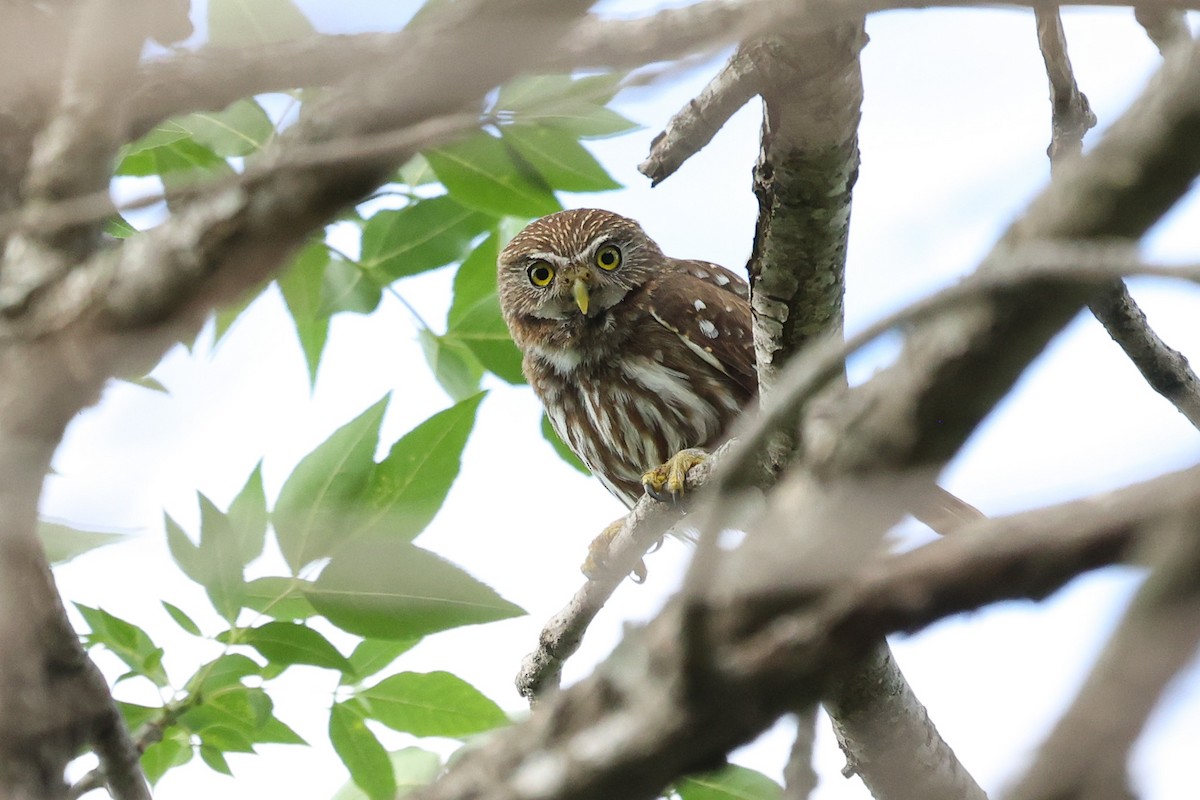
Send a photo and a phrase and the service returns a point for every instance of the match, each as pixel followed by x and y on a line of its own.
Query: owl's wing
pixel 706 307
pixel 716 275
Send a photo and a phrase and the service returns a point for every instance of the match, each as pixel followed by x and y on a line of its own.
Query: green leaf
pixel 420 237
pixel 413 768
pixel 387 588
pixel 560 447
pixel 127 642
pixel 174 750
pixel 373 655
pixel 417 172
pixel 235 717
pixel 136 716
pixel 275 731
pixel 182 619
pixel 559 158
pixel 227 739
pixel 480 172
pixel 319 499
pixel 63 542
pixel 575 106
pixel 239 130
pixel 452 363
pixel 731 782
pixel 432 704
pixel 178 163
pixel 239 23
pixel 224 671
pixel 184 551
pixel 248 516
pixel 147 382
pixel 474 319
pixel 301 285
pixel 215 759
pixel 368 763
pixel 292 643
pixel 279 597
pixel 221 554
pixel 408 487
pixel 347 287
pixel 228 314
pixel 118 227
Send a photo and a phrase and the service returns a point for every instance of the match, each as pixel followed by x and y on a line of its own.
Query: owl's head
pixel 573 264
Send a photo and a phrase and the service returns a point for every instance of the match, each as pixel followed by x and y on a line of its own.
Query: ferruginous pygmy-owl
pixel 636 356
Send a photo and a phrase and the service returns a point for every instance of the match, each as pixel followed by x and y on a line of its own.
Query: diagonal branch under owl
pixel 642 361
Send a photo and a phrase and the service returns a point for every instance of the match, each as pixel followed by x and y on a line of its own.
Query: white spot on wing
pixel 699 304
pixel 722 279
pixel 708 329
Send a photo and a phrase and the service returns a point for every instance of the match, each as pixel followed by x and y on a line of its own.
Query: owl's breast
pixel 631 412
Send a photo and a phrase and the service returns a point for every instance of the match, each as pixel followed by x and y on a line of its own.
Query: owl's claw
pixel 669 481
pixel 596 563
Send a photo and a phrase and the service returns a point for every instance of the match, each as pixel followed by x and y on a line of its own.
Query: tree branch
pixel 1166 27
pixel 697 123
pixel 812 94
pixel 889 739
pixel 799 778
pixel 1086 754
pixel 1165 369
pixel 562 634
pixel 636 723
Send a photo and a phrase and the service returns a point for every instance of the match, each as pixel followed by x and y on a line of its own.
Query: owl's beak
pixel 580 290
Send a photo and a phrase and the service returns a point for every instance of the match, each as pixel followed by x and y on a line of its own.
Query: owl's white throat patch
pixel 562 361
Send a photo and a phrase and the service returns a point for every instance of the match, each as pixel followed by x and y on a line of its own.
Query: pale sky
pixel 955 126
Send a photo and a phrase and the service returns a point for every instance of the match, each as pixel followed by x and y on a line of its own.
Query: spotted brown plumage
pixel 634 355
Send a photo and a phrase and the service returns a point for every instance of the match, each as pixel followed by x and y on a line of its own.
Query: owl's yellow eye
pixel 541 273
pixel 608 257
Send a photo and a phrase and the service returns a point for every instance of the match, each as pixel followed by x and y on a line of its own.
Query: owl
pixel 636 356
pixel 639 359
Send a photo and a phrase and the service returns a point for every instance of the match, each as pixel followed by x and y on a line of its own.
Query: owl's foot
pixel 596 563
pixel 669 481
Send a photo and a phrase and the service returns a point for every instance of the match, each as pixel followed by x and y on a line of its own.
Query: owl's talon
pixel 669 481
pixel 596 563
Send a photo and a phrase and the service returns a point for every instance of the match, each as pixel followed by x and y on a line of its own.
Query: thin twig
pixel 642 528
pixel 799 778
pixel 1164 368
pixel 1072 116
pixel 695 124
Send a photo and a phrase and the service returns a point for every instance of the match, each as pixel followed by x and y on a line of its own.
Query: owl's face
pixel 573 266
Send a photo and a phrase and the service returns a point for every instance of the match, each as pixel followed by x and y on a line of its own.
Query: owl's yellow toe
pixel 669 480
pixel 596 563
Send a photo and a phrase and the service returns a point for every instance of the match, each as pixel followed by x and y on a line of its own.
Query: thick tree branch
pixel 919 411
pixel 889 739
pixel 1086 754
pixel 812 94
pixel 71 155
pixel 638 722
pixel 811 86
pixel 1166 27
